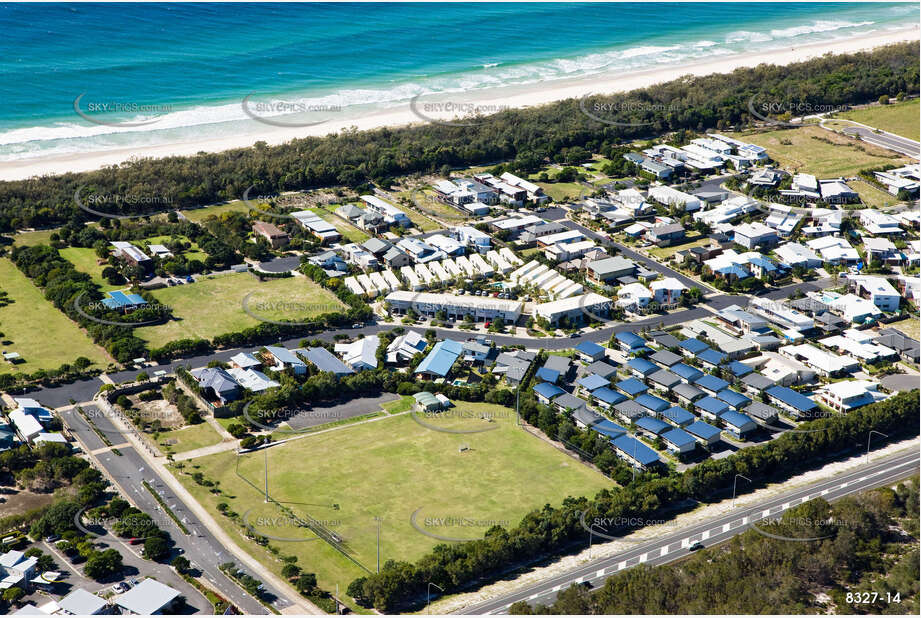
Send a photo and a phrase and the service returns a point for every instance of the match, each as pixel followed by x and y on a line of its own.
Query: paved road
pixel 883 139
pixel 129 471
pixel 674 546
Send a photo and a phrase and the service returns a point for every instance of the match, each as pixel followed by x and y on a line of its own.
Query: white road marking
pixel 600 573
pixel 621 565
pixel 705 535
pixel 726 527
pixel 643 558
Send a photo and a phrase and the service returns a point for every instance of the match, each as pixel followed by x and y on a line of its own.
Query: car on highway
pixel 696 546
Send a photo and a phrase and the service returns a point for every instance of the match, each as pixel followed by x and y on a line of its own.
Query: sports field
pixel 456 484
pixel 32 326
pixel 899 118
pixel 214 306
pixel 806 150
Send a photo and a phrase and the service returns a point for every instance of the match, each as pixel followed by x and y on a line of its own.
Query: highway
pixel 675 545
pixel 129 471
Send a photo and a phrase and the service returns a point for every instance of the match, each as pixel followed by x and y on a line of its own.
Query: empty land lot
pixel 44 336
pixel 393 468
pixel 900 118
pixel 214 306
pixel 805 149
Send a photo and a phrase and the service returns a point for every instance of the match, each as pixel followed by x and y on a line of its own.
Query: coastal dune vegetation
pixel 526 138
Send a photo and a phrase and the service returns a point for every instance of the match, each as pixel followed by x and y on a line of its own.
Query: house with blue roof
pixel 711 407
pixel 438 362
pixel 795 403
pixel 631 387
pixel 678 441
pixel 739 370
pixel 652 427
pixel 738 424
pixel 734 400
pixel 635 452
pixel 692 347
pixel 687 373
pixel 119 301
pixel 642 368
pixel 589 351
pixel 704 433
pixel 651 402
pixel 592 382
pixel 547 375
pixel 711 358
pixel 609 429
pixel 545 392
pixel 678 416
pixel 606 397
pixel 711 384
pixel 630 342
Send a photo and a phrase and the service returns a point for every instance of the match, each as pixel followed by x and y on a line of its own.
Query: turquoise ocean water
pixel 189 65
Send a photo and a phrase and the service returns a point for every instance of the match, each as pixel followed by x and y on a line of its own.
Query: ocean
pixel 89 77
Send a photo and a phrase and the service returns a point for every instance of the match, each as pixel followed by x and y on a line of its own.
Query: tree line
pixel 527 138
pixel 867 544
pixel 553 529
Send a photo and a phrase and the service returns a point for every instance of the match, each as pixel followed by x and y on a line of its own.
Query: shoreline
pixel 514 96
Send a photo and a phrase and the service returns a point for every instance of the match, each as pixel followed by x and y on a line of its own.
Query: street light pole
pixel 428 592
pixel 265 459
pixel 734 480
pixel 870 435
pixel 378 519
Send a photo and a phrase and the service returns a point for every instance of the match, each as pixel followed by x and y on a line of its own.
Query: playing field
pixel 32 326
pixel 214 306
pixel 805 150
pixel 428 486
pixel 900 118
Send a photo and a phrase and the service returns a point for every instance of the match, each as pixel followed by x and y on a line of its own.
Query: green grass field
pixel 188 438
pixel 84 260
pixel 44 336
pixel 393 468
pixel 796 151
pixel 871 196
pixel 30 239
pixel 214 306
pixel 899 118
pixel 663 253
pixel 199 214
pixel 910 326
pixel 349 232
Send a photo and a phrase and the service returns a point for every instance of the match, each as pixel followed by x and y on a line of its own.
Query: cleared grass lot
pixel 664 253
pixel 805 150
pixel 199 214
pixel 214 306
pixel 85 260
pixel 393 468
pixel 188 438
pixel 44 336
pixel 349 232
pixel 899 118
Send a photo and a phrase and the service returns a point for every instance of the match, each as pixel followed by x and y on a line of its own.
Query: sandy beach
pixel 487 99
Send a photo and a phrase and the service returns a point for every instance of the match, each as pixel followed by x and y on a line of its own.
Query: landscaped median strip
pixel 165 507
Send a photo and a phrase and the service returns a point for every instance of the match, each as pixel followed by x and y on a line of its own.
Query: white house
pixel 360 354
pixel 877 290
pixel 667 291
pixel 634 296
